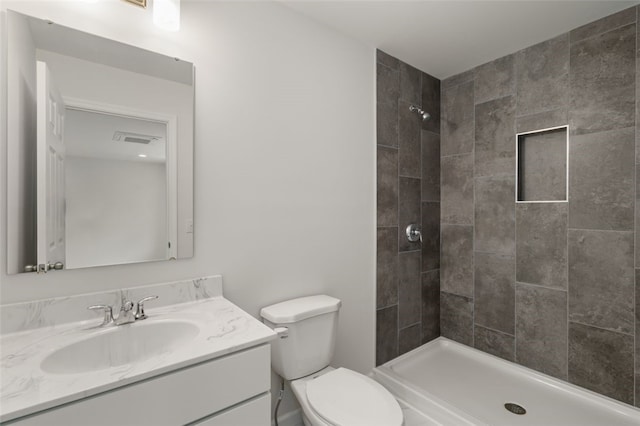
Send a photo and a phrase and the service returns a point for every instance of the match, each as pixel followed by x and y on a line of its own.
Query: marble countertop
pixel 26 389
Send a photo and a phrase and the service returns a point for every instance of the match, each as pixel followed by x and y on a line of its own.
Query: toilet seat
pixel 345 398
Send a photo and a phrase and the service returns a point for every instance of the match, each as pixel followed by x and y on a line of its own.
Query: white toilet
pixel 328 397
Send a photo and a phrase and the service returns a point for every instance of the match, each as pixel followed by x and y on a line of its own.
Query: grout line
pixel 420 141
pixel 600 328
pixel 516 57
pixel 381 145
pixel 569 140
pixel 600 230
pixel 484 101
pixel 542 286
pixel 571 42
pixel 514 128
pixel 411 325
pixel 541 111
pixel 473 233
pixel 498 254
pixel 494 330
pixel 408 177
pixel 387 306
pixel 455 155
pixel 635 228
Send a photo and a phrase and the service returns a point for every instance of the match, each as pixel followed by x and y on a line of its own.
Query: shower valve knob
pixel 414 233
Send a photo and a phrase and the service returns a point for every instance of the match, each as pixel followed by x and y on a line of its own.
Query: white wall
pixel 284 161
pixel 114 211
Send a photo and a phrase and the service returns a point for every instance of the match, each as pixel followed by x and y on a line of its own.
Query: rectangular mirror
pixel 100 150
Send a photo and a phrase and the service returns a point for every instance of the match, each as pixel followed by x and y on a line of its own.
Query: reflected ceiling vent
pixel 134 138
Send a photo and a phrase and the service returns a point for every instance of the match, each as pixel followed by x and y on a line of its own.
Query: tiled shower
pixel 408 192
pixel 550 285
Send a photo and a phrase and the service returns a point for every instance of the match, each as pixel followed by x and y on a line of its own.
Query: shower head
pixel 420 112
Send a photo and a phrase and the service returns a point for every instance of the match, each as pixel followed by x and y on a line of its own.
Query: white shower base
pixel 454 384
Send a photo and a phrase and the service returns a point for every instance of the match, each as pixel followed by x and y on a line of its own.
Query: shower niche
pixel 542 171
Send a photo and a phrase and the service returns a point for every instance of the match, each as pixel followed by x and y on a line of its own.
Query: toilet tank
pixel 307 344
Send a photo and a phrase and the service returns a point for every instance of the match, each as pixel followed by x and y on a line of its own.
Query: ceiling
pixel 91 135
pixel 444 38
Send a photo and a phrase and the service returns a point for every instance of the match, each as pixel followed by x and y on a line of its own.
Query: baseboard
pixel 292 418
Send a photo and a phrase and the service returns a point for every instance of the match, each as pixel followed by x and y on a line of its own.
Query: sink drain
pixel 515 408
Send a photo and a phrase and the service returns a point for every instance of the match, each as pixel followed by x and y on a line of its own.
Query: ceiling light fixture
pixel 142 155
pixel 166 14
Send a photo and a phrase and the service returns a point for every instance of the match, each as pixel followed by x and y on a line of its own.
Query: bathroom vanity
pixel 199 360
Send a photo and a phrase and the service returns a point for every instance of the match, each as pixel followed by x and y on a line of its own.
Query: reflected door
pixel 51 171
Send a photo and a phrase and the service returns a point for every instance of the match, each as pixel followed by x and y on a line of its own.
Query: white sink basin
pixel 119 345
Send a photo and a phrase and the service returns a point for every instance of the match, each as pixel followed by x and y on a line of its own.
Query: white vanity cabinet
pixel 232 390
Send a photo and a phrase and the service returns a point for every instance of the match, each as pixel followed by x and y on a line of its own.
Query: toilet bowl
pixel 342 397
pixel 302 353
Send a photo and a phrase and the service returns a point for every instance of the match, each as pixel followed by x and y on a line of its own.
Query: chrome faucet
pixel 129 312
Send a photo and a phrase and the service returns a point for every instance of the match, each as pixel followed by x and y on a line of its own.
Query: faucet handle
pixel 140 311
pixel 108 313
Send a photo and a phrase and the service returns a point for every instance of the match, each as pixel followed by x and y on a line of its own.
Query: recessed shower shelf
pixel 542 158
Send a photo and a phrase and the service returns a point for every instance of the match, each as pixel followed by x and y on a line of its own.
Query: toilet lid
pixel 345 398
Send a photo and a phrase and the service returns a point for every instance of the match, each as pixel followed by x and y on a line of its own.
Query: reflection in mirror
pixel 100 150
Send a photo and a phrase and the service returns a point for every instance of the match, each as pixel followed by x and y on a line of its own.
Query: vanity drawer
pixel 251 413
pixel 175 398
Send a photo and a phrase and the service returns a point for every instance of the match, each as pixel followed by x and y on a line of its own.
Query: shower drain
pixel 515 408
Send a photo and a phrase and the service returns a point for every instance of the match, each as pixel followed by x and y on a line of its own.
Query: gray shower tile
pixel 638 105
pixel 605 24
pixel 542 75
pixel 387 60
pixel 409 152
pixel 494 342
pixel 541 244
pixel 431 102
pixel 542 168
pixel 602 82
pixel 542 120
pixel 494 291
pixel 455 80
pixel 601 180
pixel 430 166
pixel 387 85
pixel 457 189
pixel 456 261
pixel 495 215
pixel 430 305
pixel 387 186
pixel 541 329
pixel 457 119
pixel 637 215
pixel 495 148
pixel 387 124
pixel 409 339
pixel 430 235
pixel 410 84
pixel 386 334
pixel 601 279
pixel 408 211
pixel 637 336
pixel 386 267
pixel 495 79
pixel 456 318
pixel 388 91
pixel 409 289
pixel 602 361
